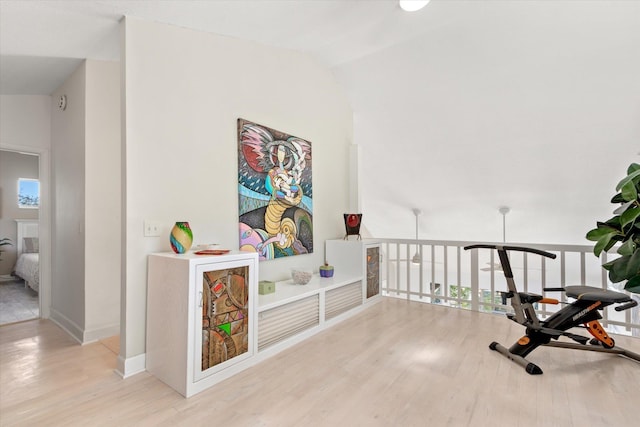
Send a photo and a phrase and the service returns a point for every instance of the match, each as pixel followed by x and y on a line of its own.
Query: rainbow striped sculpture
pixel 181 237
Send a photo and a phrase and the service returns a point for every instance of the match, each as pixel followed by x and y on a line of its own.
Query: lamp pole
pixel 417 258
pixel 504 210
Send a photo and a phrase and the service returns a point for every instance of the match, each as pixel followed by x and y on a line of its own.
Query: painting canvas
pixel 275 192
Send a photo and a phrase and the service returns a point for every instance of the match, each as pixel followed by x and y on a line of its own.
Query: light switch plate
pixel 152 228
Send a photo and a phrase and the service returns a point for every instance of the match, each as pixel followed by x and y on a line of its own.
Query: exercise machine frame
pixel 583 312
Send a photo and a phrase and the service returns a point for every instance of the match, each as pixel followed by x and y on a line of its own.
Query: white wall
pixel 102 200
pixel 25 120
pixel 533 105
pixel 185 91
pixel 13 165
pixel 68 166
pixel 86 166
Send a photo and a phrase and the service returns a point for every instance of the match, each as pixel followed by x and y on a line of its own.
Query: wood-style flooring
pixel 397 363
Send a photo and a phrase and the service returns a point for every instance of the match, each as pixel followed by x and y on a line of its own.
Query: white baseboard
pixel 80 335
pixel 100 333
pixel 66 324
pixel 131 365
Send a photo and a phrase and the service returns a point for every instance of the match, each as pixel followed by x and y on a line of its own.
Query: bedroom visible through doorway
pixel 17 301
pixel 19 226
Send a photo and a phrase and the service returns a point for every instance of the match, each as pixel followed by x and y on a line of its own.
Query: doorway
pixel 22 193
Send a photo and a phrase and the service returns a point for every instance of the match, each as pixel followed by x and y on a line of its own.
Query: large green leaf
pixel 605 243
pixel 629 191
pixel 633 266
pixel 623 208
pixel 627 179
pixel 609 265
pixel 598 233
pixel 613 223
pixel 627 248
pixel 618 271
pixel 632 168
pixel 617 198
pixel 633 285
pixel 629 216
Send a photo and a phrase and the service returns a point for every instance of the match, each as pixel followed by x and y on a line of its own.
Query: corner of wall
pixel 131 365
pixel 67 325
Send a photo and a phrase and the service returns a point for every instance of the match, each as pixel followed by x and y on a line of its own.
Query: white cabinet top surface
pixel 287 291
pixel 193 257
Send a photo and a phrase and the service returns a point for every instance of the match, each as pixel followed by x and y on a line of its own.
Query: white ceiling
pixel 334 31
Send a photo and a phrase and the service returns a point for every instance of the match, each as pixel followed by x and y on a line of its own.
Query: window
pixel 28 193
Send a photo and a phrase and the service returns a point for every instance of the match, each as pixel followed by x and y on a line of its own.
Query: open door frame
pixel 44 218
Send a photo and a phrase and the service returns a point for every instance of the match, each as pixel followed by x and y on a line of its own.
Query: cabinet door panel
pixel 224 325
pixel 372 260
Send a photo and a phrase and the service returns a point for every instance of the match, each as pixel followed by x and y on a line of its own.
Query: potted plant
pixel 623 228
pixel 4 242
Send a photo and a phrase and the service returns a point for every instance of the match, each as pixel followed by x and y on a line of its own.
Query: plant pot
pixel 326 270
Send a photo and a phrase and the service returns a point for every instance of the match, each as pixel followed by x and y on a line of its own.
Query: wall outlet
pixel 152 228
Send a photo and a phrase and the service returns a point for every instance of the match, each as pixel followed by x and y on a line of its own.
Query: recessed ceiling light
pixel 412 5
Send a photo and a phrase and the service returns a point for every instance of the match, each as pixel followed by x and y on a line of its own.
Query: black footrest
pixel 577 338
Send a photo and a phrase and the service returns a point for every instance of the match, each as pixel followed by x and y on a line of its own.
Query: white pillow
pixel 31 245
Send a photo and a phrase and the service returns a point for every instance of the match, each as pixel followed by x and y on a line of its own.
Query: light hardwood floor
pixel 397 363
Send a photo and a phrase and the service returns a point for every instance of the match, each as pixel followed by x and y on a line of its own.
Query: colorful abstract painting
pixel 275 192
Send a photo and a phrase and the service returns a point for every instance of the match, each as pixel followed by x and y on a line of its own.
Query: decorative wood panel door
pixel 372 268
pixel 224 325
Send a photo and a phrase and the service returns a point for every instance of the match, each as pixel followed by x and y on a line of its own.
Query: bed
pixel 28 264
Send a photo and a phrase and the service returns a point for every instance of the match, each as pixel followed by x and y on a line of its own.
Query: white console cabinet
pixel 295 312
pixel 206 321
pixel 201 318
pixel 357 257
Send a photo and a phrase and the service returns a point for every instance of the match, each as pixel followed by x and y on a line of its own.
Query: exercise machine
pixel 584 312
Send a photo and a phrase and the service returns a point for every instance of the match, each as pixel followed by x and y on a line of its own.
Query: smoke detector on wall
pixel 62 102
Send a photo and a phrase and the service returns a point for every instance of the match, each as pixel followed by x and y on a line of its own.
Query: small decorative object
pixel 5 241
pixel 352 225
pixel 266 287
pixel 326 270
pixel 212 252
pixel 301 276
pixel 181 237
pixel 206 246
